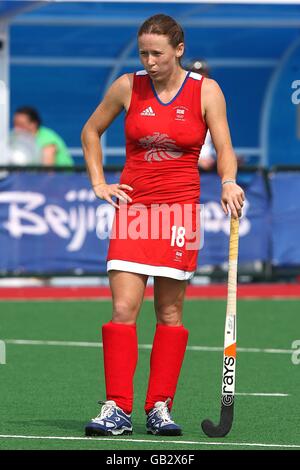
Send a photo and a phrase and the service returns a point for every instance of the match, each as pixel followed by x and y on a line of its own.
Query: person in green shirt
pixel 53 149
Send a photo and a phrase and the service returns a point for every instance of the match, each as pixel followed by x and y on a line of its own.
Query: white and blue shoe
pixel 111 421
pixel 160 422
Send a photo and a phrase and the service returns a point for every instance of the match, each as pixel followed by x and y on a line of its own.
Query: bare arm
pixel 215 115
pixel 48 155
pixel 112 104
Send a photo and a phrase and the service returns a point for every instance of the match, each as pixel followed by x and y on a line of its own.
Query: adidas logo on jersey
pixel 148 112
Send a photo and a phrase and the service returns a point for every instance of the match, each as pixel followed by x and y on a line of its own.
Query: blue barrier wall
pixel 52 222
pixel 64 55
pixel 254 229
pixel 285 213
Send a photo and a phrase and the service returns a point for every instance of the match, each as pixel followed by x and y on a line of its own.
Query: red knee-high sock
pixel 120 351
pixel 167 355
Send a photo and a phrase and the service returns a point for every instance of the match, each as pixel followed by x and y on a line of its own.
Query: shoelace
pixel 163 411
pixel 106 410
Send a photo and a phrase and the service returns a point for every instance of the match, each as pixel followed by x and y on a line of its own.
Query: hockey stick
pixel 229 361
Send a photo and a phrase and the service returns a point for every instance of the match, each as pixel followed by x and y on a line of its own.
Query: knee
pixel 124 312
pixel 170 315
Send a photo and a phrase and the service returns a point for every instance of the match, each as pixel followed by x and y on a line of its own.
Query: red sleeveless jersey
pixel 163 142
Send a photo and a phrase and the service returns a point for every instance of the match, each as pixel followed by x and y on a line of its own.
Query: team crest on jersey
pixel 180 113
pixel 160 147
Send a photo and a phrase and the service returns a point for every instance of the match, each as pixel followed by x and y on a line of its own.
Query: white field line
pixel 151 441
pixel 86 344
pixel 149 346
pixel 263 394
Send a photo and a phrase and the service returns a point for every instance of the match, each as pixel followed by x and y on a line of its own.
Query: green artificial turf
pixel 53 390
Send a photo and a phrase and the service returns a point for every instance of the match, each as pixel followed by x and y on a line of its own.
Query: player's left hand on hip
pixel 233 198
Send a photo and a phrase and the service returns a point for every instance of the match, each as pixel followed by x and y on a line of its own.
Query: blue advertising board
pixel 53 223
pixel 254 227
pixel 285 218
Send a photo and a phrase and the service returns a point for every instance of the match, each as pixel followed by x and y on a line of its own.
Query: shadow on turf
pixel 76 426
pixel 60 424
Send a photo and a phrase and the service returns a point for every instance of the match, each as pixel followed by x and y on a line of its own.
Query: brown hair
pixel 164 25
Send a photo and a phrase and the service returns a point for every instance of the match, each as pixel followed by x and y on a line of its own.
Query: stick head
pixel 224 426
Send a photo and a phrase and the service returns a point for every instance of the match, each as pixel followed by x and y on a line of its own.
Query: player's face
pixel 158 56
pixel 23 123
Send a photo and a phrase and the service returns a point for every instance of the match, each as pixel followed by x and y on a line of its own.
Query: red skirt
pixel 161 240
